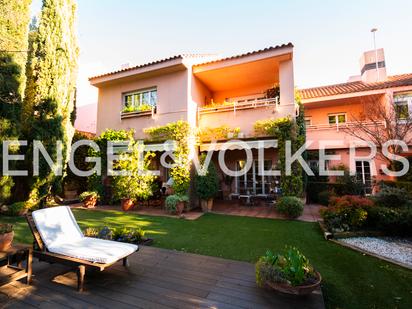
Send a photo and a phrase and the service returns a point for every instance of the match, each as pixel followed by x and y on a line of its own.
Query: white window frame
pixel 137 92
pixel 336 115
pixel 308 118
pixel 403 99
pixel 254 177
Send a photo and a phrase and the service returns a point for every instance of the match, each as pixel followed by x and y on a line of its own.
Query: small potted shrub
pixel 290 206
pixel 6 236
pixel 176 203
pixel 89 198
pixel 289 272
pixel 207 187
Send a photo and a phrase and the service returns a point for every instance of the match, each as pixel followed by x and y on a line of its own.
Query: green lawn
pixel 351 280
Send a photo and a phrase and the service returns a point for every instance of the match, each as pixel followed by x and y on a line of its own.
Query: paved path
pixel 156 278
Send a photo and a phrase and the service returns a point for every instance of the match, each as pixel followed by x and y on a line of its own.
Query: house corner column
pixel 287 88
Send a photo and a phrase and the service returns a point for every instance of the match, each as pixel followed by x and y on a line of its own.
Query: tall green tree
pixel 14 21
pixel 50 92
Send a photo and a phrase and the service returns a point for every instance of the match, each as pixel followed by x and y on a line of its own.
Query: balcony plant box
pixel 6 236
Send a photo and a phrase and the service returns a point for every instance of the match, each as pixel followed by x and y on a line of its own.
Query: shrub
pixel 128 235
pixel 16 209
pixel 391 221
pixel 346 213
pixel 6 184
pixel 172 200
pixel 392 197
pixel 290 206
pixel 324 197
pixel 87 194
pixel 290 267
pixel 207 186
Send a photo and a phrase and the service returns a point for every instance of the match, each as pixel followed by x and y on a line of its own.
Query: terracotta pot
pixel 90 201
pixel 203 204
pixel 6 240
pixel 296 290
pixel 127 204
pixel 179 208
pixel 209 204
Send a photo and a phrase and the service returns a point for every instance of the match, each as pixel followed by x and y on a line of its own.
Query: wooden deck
pixel 156 278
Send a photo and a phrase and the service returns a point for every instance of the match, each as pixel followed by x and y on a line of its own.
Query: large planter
pixel 90 201
pixel 180 206
pixel 127 204
pixel 6 240
pixel 296 290
pixel 203 204
pixel 209 204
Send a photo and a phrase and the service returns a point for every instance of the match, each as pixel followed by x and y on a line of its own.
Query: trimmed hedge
pixel 290 206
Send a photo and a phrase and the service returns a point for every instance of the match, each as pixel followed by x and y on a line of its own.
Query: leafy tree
pixel 50 92
pixel 14 20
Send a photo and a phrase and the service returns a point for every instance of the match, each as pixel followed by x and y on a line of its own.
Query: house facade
pixel 207 92
pixel 339 114
pixel 234 93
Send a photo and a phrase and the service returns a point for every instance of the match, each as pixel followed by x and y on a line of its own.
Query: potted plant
pixel 207 186
pixel 89 198
pixel 137 184
pixel 6 236
pixel 289 272
pixel 176 203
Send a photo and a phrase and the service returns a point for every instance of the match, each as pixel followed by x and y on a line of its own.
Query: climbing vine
pixel 180 132
pixel 283 129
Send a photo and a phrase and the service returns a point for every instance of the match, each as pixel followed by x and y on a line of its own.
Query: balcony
pixel 239 105
pixel 341 126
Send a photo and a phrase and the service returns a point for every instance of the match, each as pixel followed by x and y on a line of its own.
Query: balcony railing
pixel 236 106
pixel 340 126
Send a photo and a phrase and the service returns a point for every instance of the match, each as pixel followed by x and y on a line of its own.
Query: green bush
pixel 16 209
pixel 391 221
pixel 6 184
pixel 290 206
pixel 172 200
pixel 392 197
pixel 6 228
pixel 290 267
pixel 207 186
pixel 324 197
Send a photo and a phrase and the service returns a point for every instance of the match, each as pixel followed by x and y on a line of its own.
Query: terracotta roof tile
pixel 357 86
pixel 192 56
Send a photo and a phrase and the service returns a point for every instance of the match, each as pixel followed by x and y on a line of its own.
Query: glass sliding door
pixel 363 175
pixel 253 182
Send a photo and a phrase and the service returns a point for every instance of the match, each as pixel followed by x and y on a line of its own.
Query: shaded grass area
pixel 350 279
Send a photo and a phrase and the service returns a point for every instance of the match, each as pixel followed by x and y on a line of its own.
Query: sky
pixel 329 36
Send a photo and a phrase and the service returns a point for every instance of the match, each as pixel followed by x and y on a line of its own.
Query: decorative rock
pixel 397 249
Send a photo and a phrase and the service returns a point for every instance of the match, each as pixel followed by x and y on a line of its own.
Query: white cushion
pixel 56 225
pixel 62 235
pixel 94 249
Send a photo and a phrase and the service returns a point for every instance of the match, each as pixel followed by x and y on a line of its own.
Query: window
pixel 308 121
pixel 140 100
pixel 363 175
pixel 252 182
pixel 337 118
pixel 403 106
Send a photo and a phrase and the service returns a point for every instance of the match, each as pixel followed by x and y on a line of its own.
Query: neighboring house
pixel 208 93
pixel 331 110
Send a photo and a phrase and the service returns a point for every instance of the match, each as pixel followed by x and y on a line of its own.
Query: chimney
pixel 368 63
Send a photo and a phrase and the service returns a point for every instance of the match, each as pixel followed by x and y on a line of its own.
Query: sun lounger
pixel 58 239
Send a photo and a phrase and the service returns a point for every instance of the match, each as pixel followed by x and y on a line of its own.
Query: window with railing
pixel 336 119
pixel 140 101
pixel 403 106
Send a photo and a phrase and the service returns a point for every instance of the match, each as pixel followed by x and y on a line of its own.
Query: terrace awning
pixel 239 145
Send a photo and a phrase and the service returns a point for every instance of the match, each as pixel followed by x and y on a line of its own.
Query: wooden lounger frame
pixel 40 251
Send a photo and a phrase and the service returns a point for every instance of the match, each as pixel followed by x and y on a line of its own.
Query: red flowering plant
pixel 346 213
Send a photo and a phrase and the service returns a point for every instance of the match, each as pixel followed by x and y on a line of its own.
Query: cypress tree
pixel 50 91
pixel 14 21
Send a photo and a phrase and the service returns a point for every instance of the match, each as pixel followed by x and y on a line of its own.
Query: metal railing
pixel 236 106
pixel 340 126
